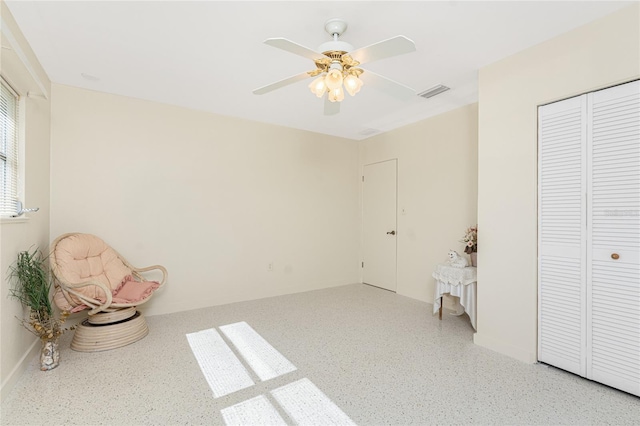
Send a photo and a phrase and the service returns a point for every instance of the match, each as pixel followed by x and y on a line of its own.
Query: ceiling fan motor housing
pixel 333 46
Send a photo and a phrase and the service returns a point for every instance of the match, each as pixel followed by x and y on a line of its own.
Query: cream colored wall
pixel 437 190
pixel 17 345
pixel 594 56
pixel 214 199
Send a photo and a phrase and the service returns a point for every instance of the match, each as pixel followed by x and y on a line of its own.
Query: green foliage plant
pixel 30 284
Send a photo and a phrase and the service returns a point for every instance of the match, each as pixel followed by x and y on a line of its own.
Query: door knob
pixel 615 256
pixel 391 233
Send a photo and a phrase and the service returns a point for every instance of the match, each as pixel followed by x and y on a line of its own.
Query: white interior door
pixel 379 224
pixel 589 236
pixel 561 240
pixel 614 231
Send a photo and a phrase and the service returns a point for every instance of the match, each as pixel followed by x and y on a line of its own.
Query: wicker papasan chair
pixel 88 274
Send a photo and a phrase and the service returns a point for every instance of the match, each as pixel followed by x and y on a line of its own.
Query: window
pixel 8 150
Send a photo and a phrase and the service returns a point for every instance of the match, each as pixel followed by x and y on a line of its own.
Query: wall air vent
pixel 435 90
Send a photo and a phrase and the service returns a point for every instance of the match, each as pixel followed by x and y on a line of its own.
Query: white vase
pixel 49 354
pixel 474 258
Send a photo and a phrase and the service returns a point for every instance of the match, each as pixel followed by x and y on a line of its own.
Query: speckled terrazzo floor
pixel 382 358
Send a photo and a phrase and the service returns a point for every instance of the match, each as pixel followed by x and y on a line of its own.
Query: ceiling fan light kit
pixel 337 67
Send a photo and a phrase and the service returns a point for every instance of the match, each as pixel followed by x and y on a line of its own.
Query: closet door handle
pixel 615 256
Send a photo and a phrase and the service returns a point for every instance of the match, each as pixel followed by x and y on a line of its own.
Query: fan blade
pixel 278 84
pixel 331 108
pixel 289 46
pixel 393 88
pixel 397 45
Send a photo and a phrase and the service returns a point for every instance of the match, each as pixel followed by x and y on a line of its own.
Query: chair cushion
pixel 60 299
pixel 82 257
pixel 129 291
pixel 132 291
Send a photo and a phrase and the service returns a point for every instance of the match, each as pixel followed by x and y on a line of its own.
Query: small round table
pixel 459 282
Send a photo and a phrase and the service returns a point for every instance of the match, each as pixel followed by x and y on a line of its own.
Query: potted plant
pixel 471 244
pixel 30 284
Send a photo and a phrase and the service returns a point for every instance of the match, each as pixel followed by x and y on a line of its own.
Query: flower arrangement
pixel 31 286
pixel 471 240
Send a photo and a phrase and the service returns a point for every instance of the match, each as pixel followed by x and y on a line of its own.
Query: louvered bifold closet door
pixel 613 304
pixel 561 234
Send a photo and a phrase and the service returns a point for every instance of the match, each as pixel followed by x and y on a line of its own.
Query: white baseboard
pixel 19 368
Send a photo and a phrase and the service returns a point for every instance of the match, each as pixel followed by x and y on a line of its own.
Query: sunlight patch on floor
pixel 263 358
pixel 301 400
pixel 254 411
pixel 223 371
pixel 308 405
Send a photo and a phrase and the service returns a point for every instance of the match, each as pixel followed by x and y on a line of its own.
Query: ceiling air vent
pixel 435 90
pixel 368 132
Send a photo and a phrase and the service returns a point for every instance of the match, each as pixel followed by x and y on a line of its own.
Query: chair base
pixel 105 331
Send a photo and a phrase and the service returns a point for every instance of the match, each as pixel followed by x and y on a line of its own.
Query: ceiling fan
pixel 338 66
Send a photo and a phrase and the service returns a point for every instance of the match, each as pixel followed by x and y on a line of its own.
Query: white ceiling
pixel 209 56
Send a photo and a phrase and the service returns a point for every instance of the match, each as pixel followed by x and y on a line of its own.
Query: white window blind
pixel 8 150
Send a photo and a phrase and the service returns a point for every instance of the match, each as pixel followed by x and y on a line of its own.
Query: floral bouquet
pixel 471 240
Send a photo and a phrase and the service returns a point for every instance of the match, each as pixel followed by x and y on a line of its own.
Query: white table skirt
pixel 459 282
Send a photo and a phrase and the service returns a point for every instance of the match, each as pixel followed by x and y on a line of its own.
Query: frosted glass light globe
pixel 352 84
pixel 336 95
pixel 334 79
pixel 318 86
